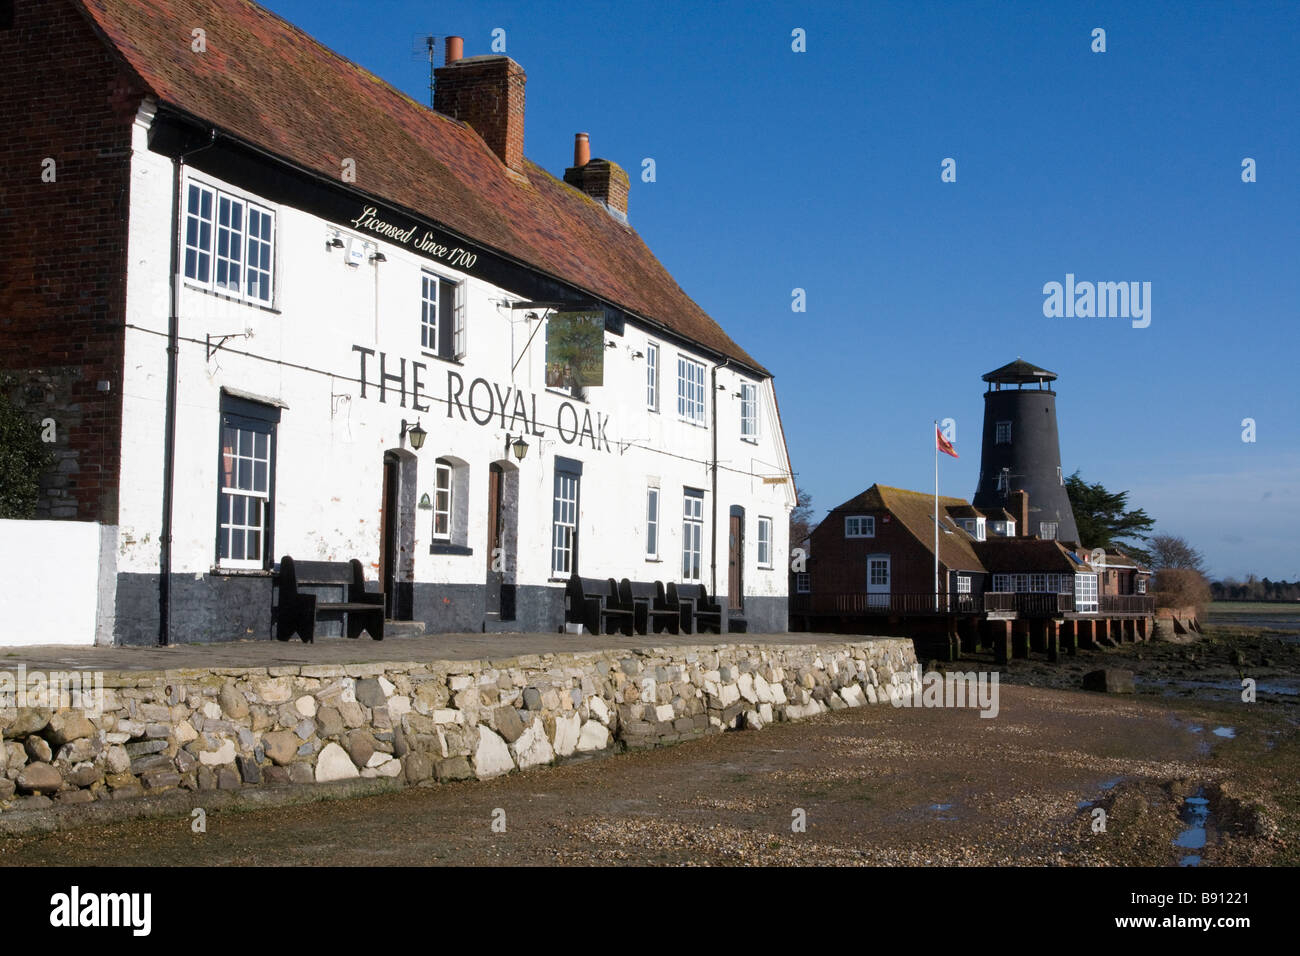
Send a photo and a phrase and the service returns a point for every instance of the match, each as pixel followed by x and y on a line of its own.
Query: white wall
pixel 332 441
pixel 50 575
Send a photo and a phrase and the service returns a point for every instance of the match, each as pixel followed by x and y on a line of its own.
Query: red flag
pixel 944 445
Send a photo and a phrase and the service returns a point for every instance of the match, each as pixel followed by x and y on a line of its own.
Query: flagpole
pixel 936 515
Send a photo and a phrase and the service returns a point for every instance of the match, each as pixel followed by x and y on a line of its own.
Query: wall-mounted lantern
pixel 517 445
pixel 416 433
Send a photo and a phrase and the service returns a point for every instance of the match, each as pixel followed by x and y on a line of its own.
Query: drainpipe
pixel 713 537
pixel 169 426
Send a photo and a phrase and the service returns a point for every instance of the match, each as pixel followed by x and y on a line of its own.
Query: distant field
pixel 1257 617
pixel 1270 609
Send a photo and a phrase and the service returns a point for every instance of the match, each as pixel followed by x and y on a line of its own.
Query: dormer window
pixel 860 526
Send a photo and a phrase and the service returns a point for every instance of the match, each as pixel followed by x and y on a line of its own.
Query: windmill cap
pixel 1019 372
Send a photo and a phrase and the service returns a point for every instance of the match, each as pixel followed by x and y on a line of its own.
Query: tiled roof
pixel 1027 555
pixel 915 509
pixel 264 81
pixel 1118 558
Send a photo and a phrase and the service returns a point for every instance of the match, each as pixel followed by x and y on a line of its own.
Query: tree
pixel 23 458
pixel 1182 588
pixel 1170 551
pixel 1104 519
pixel 801 523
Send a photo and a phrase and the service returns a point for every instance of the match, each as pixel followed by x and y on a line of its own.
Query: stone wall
pixel 230 728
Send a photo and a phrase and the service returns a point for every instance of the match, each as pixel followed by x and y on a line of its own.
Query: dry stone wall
pixel 417 722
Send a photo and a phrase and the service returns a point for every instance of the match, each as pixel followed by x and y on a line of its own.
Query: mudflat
pixel 874 785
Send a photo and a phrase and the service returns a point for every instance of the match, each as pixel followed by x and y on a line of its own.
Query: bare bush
pixel 1182 587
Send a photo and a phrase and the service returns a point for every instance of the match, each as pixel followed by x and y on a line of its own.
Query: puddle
pixel 941 809
pixel 1196 814
pixel 1110 784
pixel 1223 733
pixel 1221 690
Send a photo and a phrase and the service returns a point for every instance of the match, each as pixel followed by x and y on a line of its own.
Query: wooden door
pixel 495 554
pixel 388 535
pixel 736 564
pixel 878 580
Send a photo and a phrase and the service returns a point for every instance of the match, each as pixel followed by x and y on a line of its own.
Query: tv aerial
pixel 423 47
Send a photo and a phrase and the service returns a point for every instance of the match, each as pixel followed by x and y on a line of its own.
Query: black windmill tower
pixel 1022 450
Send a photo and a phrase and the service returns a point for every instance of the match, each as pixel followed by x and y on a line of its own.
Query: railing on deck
pixel 860 603
pixel 1029 603
pixel 1128 604
pixel 1025 604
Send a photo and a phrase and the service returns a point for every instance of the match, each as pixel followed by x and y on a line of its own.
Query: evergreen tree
pixel 1105 520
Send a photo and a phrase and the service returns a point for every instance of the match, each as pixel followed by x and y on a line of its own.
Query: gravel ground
pixel 877 786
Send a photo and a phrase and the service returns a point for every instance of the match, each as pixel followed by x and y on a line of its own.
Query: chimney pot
pixel 581 149
pixel 455 49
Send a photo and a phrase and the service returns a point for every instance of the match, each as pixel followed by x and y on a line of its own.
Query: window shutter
pixel 458 337
pixel 446 317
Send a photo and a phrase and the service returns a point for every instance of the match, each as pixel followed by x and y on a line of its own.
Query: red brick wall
pixel 63 271
pixel 839 564
pixel 488 95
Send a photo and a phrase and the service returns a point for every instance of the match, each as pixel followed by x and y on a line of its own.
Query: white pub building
pixel 326 336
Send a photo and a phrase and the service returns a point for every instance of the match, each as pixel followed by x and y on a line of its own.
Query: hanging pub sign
pixel 575 349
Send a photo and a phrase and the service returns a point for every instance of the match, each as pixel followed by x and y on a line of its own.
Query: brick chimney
pixel 487 94
pixel 600 179
pixel 1020 511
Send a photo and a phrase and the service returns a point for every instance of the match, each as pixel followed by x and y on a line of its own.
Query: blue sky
pixel 820 170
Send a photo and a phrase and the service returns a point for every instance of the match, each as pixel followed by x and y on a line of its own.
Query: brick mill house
pixel 273 307
pixel 1011 569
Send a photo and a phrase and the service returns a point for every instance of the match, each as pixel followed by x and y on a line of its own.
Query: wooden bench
pixel 699 613
pixel 651 611
pixel 596 605
pixel 298 609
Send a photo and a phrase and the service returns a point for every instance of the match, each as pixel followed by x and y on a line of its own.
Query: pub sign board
pixel 575 349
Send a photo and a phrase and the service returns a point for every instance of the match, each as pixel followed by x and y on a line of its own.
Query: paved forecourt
pixel 422 649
